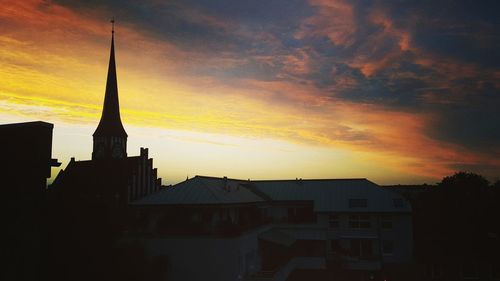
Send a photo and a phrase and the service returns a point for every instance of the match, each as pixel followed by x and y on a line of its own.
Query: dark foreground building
pixel 26 163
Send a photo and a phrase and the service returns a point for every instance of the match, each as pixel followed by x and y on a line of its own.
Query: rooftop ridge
pixel 29 123
pixel 278 180
pixel 219 178
pixel 302 179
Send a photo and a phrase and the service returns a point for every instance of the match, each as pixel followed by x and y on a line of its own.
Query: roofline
pixel 72 159
pixel 24 124
pixel 361 212
pixel 219 178
pixel 196 205
pixel 278 180
pixel 301 179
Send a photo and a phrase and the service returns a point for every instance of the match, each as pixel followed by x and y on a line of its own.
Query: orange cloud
pixel 374 55
pixel 335 20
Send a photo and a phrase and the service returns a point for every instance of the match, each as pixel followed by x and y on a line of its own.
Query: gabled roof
pixel 204 190
pixel 332 195
pixel 328 195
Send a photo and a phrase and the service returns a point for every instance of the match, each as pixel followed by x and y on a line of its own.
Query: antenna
pixel 112 21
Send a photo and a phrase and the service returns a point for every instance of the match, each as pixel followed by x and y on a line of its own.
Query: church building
pixel 111 173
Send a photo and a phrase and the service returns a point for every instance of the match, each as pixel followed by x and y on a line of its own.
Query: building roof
pixel 31 124
pixel 328 195
pixel 27 148
pixel 333 195
pixel 202 190
pixel 103 175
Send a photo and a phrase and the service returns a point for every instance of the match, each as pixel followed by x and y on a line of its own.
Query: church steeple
pixel 110 138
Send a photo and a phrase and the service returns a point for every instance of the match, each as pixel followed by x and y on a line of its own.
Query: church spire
pixel 110 128
pixel 111 124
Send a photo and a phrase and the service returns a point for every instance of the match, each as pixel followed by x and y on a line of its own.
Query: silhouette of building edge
pixel 26 165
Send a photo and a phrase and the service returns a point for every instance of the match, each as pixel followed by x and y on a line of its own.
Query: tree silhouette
pixel 455 221
pixel 464 182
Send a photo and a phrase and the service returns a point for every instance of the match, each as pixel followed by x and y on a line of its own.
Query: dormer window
pixel 398 202
pixel 358 203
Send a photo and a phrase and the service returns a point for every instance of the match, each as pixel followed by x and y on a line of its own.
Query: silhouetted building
pixel 268 230
pixel 90 201
pixel 26 163
pixel 114 181
pixel 27 157
pixel 110 175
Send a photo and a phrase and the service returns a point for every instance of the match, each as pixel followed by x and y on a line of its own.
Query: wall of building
pixel 278 213
pixel 400 234
pixel 208 258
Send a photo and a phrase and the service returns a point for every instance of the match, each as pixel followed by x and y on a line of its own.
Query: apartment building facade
pixel 265 230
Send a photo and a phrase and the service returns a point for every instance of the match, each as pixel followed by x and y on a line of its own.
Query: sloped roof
pixel 328 195
pixel 332 195
pixel 204 190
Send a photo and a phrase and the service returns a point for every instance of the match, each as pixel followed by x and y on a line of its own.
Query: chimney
pixel 224 184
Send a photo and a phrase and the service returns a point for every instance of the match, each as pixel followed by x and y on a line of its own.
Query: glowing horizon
pixel 256 106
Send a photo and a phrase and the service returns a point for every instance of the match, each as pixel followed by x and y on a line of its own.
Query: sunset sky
pixel 393 91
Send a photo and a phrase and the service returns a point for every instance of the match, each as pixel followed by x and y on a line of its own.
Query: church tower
pixel 110 138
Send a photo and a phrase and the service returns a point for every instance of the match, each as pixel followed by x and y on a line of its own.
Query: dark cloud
pixel 482 169
pixel 206 26
pixel 437 57
pixel 473 123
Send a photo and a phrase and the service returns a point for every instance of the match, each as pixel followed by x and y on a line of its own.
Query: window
pixel 333 221
pixel 361 248
pixel 398 202
pixel 359 221
pixel 387 247
pixel 386 222
pixel 358 203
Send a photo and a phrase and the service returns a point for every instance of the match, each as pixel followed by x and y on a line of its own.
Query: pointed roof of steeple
pixel 111 124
